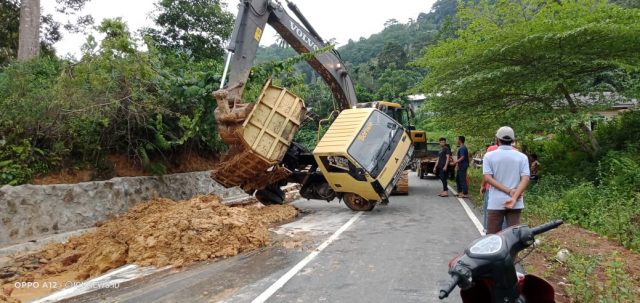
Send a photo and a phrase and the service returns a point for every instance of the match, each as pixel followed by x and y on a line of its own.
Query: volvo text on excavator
pixel 361 157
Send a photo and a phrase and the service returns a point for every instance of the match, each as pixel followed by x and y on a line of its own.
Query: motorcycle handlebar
pixel 444 292
pixel 546 227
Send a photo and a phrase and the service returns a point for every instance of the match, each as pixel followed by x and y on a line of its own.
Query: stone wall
pixel 31 211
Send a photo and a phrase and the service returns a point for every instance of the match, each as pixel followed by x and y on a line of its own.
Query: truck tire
pixel 357 203
pixel 271 194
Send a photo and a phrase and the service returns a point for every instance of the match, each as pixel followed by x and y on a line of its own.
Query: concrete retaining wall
pixel 28 212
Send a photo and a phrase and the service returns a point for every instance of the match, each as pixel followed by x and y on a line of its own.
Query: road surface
pixel 396 253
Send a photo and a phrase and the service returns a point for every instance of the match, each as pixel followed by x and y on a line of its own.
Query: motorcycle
pixel 486 272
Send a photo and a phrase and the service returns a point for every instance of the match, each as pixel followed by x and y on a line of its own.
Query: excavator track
pixel 258 136
pixel 402 188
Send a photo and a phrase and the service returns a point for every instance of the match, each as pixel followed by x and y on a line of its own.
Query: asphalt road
pixel 396 253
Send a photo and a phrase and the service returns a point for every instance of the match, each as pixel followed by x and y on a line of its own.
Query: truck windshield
pixel 375 143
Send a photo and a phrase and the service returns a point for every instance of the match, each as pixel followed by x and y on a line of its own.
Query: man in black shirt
pixel 462 163
pixel 441 166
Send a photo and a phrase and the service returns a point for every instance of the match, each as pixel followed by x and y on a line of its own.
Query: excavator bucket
pixel 258 136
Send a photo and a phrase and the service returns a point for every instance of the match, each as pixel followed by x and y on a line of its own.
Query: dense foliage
pixel 601 195
pixel 115 99
pixel 541 66
pixel 380 64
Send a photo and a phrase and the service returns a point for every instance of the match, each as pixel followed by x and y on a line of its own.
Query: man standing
pixel 507 171
pixel 535 167
pixel 440 169
pixel 462 163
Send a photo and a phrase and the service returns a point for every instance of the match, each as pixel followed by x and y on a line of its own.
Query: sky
pixel 339 19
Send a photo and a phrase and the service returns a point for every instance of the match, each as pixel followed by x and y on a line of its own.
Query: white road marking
pixel 321 223
pixel 111 279
pixel 264 296
pixel 470 213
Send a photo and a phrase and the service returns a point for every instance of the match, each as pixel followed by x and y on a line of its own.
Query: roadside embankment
pixel 29 212
pixel 155 233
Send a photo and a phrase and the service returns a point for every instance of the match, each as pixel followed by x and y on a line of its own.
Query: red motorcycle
pixel 486 272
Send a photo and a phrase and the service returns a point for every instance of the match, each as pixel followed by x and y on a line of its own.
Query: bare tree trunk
pixel 29 32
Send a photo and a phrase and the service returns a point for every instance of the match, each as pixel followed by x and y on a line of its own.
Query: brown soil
pixel 542 261
pixel 4 298
pixel 159 232
pixel 123 166
pixel 189 162
pixel 64 177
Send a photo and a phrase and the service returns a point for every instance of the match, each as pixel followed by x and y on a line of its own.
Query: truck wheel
pixel 357 203
pixel 271 194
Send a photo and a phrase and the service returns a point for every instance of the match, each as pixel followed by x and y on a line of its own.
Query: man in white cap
pixel 507 170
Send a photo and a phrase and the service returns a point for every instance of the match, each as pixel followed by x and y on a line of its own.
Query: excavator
pixel 360 159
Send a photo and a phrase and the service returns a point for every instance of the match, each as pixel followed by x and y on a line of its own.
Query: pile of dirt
pixel 159 232
pixel 4 298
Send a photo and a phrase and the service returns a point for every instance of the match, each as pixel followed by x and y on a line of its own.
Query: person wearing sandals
pixel 440 169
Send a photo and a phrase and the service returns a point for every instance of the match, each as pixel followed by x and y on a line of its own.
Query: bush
pixel 609 208
pixel 116 99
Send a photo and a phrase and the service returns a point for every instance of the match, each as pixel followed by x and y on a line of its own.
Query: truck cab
pixel 365 152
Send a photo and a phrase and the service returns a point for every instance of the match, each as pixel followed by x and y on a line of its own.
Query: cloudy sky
pixel 340 19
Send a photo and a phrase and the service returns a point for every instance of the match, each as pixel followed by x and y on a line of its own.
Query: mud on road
pixel 156 233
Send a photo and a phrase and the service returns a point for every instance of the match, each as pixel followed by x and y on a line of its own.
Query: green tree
pixel 9 24
pixel 49 29
pixel 396 83
pixel 392 54
pixel 195 27
pixel 531 64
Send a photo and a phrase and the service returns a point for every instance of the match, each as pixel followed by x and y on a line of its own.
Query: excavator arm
pixel 253 16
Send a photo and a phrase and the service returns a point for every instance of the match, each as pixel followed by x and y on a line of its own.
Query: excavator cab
pixel 362 156
pixel 401 114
